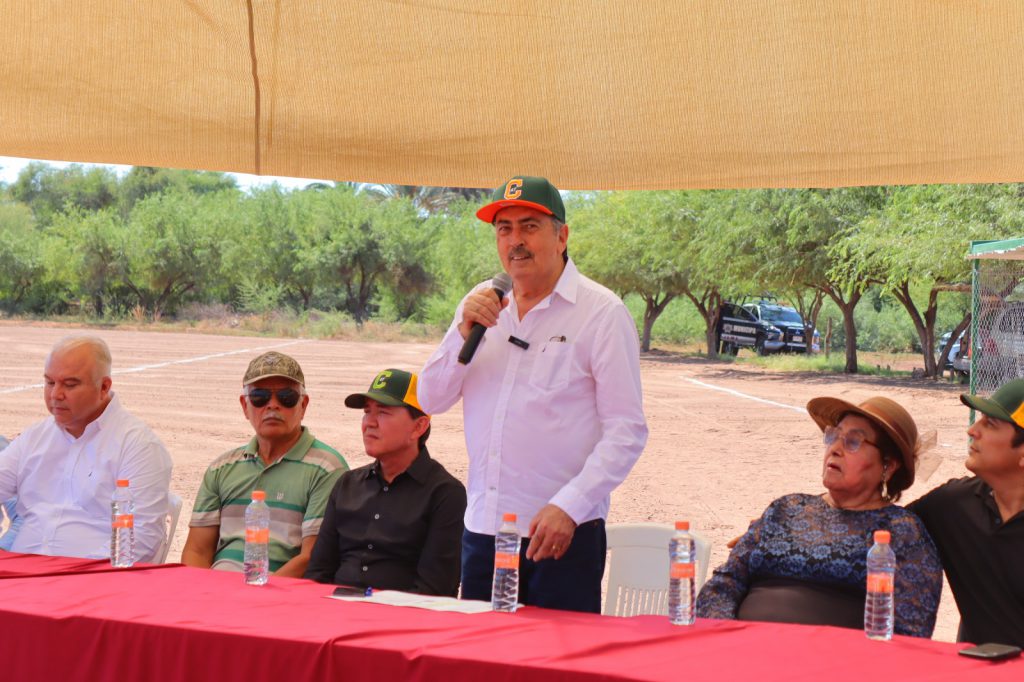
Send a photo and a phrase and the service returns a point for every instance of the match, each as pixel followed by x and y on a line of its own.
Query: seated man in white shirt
pixel 64 469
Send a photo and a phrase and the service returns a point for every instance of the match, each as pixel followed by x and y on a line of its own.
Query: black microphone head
pixel 502 282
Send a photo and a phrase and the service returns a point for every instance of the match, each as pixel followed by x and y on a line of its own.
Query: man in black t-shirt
pixel 977 522
pixel 396 523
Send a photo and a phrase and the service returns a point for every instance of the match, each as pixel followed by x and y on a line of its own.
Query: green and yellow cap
pixel 391 387
pixel 525 190
pixel 1007 403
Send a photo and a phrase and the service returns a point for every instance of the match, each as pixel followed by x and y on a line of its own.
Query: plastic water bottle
pixel 505 589
pixel 682 569
pixel 256 564
pixel 878 607
pixel 122 526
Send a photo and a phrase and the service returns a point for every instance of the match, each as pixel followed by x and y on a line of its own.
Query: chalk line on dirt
pixel 158 365
pixel 744 395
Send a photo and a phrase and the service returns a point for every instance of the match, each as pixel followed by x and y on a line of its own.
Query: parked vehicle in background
pixel 961 365
pixel 738 328
pixel 954 351
pixel 1007 331
pixel 785 319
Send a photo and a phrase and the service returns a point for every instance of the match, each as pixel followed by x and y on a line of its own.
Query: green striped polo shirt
pixel 297 486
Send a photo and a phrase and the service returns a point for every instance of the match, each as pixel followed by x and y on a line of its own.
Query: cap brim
pixel 358 400
pixel 488 212
pixel 987 406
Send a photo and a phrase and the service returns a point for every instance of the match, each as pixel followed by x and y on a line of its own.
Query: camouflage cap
pixel 273 364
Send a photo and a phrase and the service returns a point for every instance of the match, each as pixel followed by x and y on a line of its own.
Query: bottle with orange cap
pixel 122 526
pixel 879 606
pixel 256 560
pixel 682 571
pixel 505 588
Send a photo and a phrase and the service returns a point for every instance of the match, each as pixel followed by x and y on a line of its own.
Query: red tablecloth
pixel 182 623
pixel 14 565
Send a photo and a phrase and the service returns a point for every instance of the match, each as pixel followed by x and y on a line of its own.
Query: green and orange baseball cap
pixel 525 190
pixel 392 387
pixel 1007 403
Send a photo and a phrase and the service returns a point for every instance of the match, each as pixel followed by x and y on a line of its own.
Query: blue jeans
pixel 572 583
pixel 7 539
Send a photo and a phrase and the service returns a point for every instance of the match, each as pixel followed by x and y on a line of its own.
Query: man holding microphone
pixel 551 400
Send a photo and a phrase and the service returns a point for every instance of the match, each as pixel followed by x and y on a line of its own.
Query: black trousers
pixel 572 583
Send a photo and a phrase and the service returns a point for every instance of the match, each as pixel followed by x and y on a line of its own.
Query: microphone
pixel 502 283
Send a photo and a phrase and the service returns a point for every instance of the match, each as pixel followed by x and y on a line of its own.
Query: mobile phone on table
pixel 991 651
pixel 352 591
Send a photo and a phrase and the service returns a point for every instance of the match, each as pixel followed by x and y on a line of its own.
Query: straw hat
pixel 887 416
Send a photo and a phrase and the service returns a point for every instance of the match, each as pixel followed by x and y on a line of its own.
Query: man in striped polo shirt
pixel 284 459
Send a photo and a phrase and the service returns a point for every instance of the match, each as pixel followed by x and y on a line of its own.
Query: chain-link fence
pixel 997 314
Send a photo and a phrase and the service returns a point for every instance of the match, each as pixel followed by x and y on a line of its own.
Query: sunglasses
pixel 259 397
pixel 851 441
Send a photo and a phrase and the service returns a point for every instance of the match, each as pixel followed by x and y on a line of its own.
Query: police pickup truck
pixel 787 320
pixel 738 328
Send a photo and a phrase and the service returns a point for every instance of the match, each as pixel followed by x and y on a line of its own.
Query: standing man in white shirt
pixel 552 405
pixel 64 469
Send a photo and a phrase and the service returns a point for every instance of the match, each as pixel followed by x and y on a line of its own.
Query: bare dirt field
pixel 725 440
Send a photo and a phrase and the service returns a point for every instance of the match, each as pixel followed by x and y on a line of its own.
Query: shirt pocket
pixel 552 366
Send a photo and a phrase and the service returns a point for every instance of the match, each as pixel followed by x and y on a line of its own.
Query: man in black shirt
pixel 977 522
pixel 395 524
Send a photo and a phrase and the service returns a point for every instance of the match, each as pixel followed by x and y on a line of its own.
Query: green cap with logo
pixel 1007 403
pixel 273 364
pixel 391 387
pixel 525 190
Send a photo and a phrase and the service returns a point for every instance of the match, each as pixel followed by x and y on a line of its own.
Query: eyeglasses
pixel 287 397
pixel 851 441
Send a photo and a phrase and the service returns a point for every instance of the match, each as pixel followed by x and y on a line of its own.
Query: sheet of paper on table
pixel 421 601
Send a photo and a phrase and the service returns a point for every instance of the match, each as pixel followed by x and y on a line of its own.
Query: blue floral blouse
pixel 801 537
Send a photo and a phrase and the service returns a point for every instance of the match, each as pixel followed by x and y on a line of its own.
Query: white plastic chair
pixel 173 512
pixel 638 574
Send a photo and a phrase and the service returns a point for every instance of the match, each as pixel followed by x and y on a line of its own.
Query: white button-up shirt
pixel 559 422
pixel 65 485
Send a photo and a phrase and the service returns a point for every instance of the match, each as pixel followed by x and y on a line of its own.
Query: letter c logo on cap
pixel 382 380
pixel 514 189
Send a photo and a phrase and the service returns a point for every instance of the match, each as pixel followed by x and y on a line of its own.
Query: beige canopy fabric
pixel 594 94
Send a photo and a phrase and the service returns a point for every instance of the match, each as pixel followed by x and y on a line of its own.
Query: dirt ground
pixel 724 440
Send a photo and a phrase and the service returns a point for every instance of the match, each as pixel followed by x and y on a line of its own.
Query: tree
pixel 357 245
pixel 425 198
pixel 919 242
pixel 21 263
pixel 142 181
pixel 265 248
pixel 462 253
pixel 648 244
pixel 173 246
pixel 49 191
pixel 809 232
pixel 87 254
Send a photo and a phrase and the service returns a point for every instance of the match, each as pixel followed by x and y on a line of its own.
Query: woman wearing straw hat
pixel 804 559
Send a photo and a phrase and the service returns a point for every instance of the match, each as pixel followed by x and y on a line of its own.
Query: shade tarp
pixel 595 94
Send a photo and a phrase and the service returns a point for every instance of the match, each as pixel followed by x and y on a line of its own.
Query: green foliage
pixel 335 258
pixel 21 259
pixel 461 253
pixel 789 362
pixel 48 190
pixel 172 248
